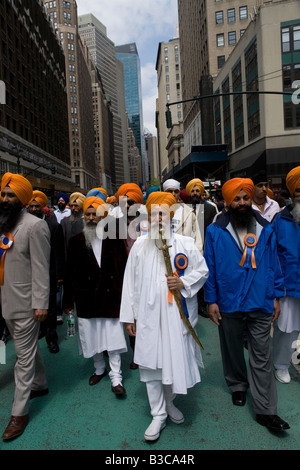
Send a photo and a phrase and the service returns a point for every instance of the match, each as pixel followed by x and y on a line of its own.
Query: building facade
pixel 34 135
pixel 169 90
pixel 262 130
pixel 102 51
pixel 128 56
pixel 63 16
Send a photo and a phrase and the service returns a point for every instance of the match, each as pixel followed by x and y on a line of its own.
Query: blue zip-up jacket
pixel 236 288
pixel 288 243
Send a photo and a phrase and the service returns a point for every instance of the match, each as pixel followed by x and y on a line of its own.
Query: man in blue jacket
pixel 287 327
pixel 242 290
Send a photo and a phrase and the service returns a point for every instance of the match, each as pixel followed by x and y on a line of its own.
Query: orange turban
pixel 40 198
pixel 111 199
pixel 195 182
pixel 160 198
pixel 232 188
pixel 77 198
pixel 19 185
pixel 102 190
pixel 131 190
pixel 293 180
pixel 95 202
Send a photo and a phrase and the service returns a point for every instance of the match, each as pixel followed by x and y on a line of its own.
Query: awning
pixel 249 166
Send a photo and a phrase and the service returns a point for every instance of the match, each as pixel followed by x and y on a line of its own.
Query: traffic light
pixel 169 118
pixel 53 170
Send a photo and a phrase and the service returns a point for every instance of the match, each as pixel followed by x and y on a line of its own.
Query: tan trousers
pixel 29 367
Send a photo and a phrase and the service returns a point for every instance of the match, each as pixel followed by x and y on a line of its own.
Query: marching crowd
pixel 145 267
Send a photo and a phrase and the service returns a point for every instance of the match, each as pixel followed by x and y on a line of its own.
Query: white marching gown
pixel 163 343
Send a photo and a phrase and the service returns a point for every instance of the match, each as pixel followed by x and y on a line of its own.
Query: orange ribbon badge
pixel 6 241
pixel 248 258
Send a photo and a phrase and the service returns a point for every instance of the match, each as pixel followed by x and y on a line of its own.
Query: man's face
pixel 160 216
pixel 35 209
pixel 75 209
pixel 125 204
pixel 175 192
pixel 61 204
pixel 260 190
pixel 297 192
pixel 8 198
pixel 196 195
pixel 241 202
pixel 91 217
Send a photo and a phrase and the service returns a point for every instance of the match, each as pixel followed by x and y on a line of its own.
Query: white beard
pixel 296 210
pixel 89 232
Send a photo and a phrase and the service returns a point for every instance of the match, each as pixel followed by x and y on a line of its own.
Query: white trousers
pixel 282 347
pixel 115 373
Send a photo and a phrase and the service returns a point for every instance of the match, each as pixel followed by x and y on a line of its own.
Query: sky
pixel 144 22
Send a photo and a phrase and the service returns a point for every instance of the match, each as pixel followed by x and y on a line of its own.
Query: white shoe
pixel 283 376
pixel 175 414
pixel 153 431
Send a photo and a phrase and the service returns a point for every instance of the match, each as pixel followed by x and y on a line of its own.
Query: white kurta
pixel 162 341
pixel 100 334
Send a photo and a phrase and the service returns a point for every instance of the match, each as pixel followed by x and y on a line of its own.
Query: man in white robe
pixel 168 356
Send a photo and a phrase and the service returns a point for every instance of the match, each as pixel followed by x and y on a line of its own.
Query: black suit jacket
pixel 95 291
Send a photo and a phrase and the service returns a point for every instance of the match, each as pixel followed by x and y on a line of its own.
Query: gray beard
pixel 89 234
pixel 296 210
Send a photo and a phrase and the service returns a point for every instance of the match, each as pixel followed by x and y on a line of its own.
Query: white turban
pixel 171 184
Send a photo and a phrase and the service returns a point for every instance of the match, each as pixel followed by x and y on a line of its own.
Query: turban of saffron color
pixel 19 185
pixel 111 199
pixel 232 188
pixel 77 198
pixel 160 198
pixel 293 180
pixel 131 190
pixel 95 202
pixel 195 182
pixel 40 198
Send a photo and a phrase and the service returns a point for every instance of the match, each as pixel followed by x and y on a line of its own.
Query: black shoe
pixel 53 347
pixel 239 398
pixel 272 422
pixel 38 393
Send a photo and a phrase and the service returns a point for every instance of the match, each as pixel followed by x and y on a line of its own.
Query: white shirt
pixel 271 208
pixel 62 214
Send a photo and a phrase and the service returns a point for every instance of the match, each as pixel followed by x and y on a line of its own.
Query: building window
pixel 231 15
pixel 221 61
pixel 242 31
pixel 219 17
pixel 243 13
pixel 251 73
pixel 220 40
pixel 231 38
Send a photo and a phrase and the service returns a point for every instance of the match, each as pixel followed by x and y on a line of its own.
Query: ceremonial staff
pixel 166 254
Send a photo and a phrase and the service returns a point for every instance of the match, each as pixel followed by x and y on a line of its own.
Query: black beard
pixel 37 214
pixel 61 206
pixel 195 200
pixel 9 216
pixel 240 219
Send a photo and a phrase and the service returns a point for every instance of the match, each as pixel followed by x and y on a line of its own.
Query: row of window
pixel 243 15
pixel 53 5
pixel 232 38
pixel 175 49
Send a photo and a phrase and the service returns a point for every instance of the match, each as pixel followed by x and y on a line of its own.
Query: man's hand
pixel 174 282
pixel 40 314
pixel 214 313
pixel 276 310
pixel 130 328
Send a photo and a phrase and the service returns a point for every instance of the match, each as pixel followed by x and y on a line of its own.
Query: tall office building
pixel 169 90
pixel 102 51
pixel 209 31
pixel 34 136
pixel 63 16
pixel 129 57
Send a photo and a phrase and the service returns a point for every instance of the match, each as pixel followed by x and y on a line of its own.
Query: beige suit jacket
pixel 26 269
pixel 189 226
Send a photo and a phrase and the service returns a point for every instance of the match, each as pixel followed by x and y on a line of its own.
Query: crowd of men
pixel 146 266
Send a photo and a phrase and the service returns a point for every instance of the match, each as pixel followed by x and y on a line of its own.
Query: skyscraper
pixel 102 51
pixel 128 55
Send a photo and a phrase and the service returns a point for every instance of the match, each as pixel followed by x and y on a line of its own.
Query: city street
pixel 76 416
